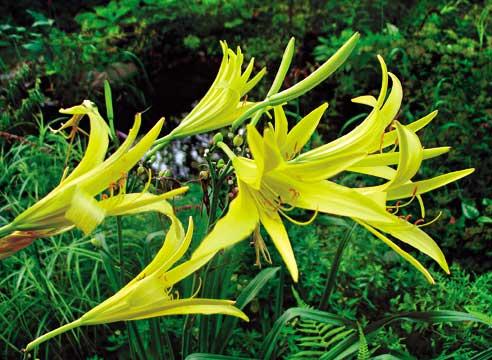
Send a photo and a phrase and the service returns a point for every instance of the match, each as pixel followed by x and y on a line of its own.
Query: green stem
pixel 331 279
pixel 53 333
pixel 187 326
pixel 169 345
pixel 158 145
pixel 119 228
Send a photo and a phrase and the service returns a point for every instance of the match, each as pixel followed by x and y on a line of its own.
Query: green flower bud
pixel 218 138
pixel 238 140
pixel 141 170
pixel 220 164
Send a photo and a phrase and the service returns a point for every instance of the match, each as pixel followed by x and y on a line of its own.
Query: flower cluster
pixel 277 178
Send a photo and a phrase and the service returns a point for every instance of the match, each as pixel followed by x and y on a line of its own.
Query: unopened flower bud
pixel 203 175
pixel 140 170
pixel 218 138
pixel 238 140
pixel 220 164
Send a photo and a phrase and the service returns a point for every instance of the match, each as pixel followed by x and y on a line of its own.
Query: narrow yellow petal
pixel 276 229
pixel 302 132
pixel 391 158
pixel 399 250
pixel 255 144
pixel 365 136
pixel 247 170
pixel 423 186
pixel 238 223
pixel 100 178
pixel 272 157
pixel 391 136
pixel 411 155
pixel 98 140
pixel 414 236
pixel 281 125
pixel 190 306
pixel 316 170
pixel 330 198
pixel 368 100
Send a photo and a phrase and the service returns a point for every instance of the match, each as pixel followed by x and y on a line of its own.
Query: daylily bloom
pixel 72 203
pixel 222 103
pixel 150 293
pixel 277 179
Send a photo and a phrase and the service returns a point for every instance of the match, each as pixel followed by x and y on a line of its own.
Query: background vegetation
pixel 161 55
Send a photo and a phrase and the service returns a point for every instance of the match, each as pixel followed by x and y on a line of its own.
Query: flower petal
pixel 399 250
pixel 423 186
pixel 100 178
pixel 275 228
pixel 328 197
pixel 391 158
pixel 98 139
pixel 187 306
pixel 301 133
pixel 281 125
pixel 247 170
pixel 391 136
pixel 414 236
pixel 238 223
pixel 365 136
pixel 84 211
pixel 272 157
pixel 324 168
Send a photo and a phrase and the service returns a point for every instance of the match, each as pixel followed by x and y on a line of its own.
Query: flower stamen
pixel 429 222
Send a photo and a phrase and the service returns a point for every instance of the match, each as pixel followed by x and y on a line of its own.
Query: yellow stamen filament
pixel 398 204
pixel 197 289
pixel 149 180
pixel 430 222
pixel 301 223
pixel 261 249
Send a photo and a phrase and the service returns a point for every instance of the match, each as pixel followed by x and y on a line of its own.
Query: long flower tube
pixel 150 293
pixel 278 179
pixel 222 104
pixel 72 203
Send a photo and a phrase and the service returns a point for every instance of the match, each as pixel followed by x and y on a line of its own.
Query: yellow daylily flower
pixel 278 179
pixel 72 203
pixel 150 293
pixel 222 103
